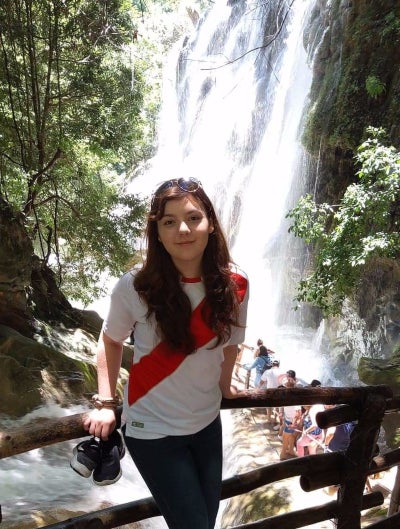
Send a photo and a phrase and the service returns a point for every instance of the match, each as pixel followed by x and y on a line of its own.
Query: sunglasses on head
pixel 185 184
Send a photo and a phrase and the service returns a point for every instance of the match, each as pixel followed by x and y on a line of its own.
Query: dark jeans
pixel 184 475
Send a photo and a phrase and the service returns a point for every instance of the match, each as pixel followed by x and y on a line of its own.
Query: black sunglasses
pixel 186 184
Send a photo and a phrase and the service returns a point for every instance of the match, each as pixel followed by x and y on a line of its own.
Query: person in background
pixel 313 384
pixel 286 380
pixel 242 347
pixel 290 423
pixel 269 380
pixel 311 437
pixel 289 375
pixel 262 361
pixel 270 377
pixel 337 438
pixel 187 306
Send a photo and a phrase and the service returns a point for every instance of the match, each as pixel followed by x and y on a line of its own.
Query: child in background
pixel 291 423
pixel 312 435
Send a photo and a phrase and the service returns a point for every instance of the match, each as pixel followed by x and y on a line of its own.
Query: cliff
pixel 356 83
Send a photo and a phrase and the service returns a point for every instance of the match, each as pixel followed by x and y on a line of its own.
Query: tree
pixel 362 228
pixel 71 127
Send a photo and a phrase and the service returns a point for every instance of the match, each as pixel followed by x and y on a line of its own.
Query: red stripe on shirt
pixel 241 283
pixel 162 361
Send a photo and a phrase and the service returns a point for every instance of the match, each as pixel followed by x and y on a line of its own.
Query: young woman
pixel 187 308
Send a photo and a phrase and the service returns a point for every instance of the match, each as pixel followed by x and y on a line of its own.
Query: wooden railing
pixel 350 469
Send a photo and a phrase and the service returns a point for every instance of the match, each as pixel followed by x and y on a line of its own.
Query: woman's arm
pixel 109 358
pixel 329 435
pixel 101 422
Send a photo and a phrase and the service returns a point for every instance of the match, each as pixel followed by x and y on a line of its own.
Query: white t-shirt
pixel 291 412
pixel 315 408
pixel 271 376
pixel 169 393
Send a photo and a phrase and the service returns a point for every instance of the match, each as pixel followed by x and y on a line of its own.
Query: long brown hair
pixel 158 282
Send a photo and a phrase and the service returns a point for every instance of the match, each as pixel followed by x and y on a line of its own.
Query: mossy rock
pixel 374 371
pixel 257 505
pixel 20 388
pixel 32 373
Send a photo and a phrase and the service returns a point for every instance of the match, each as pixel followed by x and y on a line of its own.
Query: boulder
pixel 374 371
pixel 32 373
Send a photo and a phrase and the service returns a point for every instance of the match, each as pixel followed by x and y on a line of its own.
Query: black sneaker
pixel 108 470
pixel 86 456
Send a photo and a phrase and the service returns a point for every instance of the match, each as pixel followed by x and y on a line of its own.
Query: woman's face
pixel 184 230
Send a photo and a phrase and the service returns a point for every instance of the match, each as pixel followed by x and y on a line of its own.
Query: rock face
pixel 352 43
pixel 381 371
pixel 384 371
pixel 58 366
pixel 16 253
pixel 368 328
pixel 39 361
pixel 28 287
pixel 32 373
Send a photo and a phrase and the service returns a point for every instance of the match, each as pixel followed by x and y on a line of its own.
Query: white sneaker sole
pixel 108 481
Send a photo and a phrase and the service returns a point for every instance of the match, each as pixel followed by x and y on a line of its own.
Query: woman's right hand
pixel 100 423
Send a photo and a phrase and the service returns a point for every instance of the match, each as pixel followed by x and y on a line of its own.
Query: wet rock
pixel 32 373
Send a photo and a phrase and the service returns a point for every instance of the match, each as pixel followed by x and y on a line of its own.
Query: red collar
pixel 191 279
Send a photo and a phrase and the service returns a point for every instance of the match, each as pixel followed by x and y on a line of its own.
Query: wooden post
pixel 395 496
pixel 358 457
pixel 247 380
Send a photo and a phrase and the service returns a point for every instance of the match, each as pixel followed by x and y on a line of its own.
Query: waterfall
pixel 233 101
pixel 234 93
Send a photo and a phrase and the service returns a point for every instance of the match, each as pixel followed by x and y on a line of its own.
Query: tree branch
pixel 258 47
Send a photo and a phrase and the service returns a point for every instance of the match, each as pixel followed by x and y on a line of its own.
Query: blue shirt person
pixel 262 361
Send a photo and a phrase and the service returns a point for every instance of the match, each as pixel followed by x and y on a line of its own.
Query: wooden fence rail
pixel 350 469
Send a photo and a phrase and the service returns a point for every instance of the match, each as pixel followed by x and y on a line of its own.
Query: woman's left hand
pixel 100 423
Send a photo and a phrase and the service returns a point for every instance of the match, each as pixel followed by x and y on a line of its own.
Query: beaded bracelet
pixel 106 402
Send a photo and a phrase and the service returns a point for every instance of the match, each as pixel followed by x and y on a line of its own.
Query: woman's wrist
pixel 100 402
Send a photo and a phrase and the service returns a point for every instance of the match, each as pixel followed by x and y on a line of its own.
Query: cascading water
pixel 232 118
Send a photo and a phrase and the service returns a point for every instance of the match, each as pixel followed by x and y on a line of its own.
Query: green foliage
pixel 72 125
pixel 369 44
pixel 392 26
pixel 374 86
pixel 80 88
pixel 364 226
pixel 310 219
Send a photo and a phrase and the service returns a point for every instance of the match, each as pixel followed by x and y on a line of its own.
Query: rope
pixel 322 445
